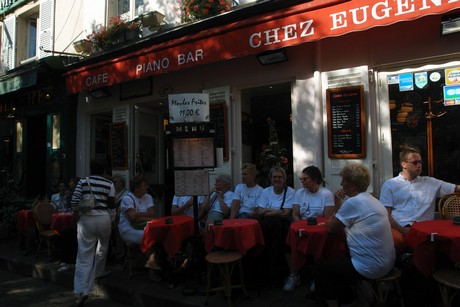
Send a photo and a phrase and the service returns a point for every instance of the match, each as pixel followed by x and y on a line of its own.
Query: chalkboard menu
pixel 346 123
pixel 119 146
pixel 218 114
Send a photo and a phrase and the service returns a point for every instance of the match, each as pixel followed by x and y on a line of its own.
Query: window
pixel 130 8
pixel 32 38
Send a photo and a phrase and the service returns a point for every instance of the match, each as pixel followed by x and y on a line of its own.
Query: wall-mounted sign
pixel 346 123
pixel 119 146
pixel 451 95
pixel 191 182
pixel 452 76
pixel 186 108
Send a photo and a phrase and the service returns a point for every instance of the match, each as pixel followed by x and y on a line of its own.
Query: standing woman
pixel 274 212
pixel 248 193
pixel 312 200
pixel 93 230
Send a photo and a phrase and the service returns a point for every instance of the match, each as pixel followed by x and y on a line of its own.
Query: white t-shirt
pixel 248 197
pixel 270 200
pixel 228 198
pixel 180 201
pixel 413 201
pixel 368 233
pixel 131 201
pixel 313 204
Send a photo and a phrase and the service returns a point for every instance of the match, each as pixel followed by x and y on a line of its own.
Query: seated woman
pixel 248 193
pixel 312 200
pixel 217 206
pixel 137 208
pixel 274 210
pixel 367 228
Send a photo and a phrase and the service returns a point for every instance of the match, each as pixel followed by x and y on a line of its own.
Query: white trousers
pixel 93 235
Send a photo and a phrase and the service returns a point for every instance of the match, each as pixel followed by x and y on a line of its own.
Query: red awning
pixel 292 26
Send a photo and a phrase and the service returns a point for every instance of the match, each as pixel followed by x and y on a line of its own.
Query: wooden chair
pixel 225 261
pixel 448 280
pixel 43 211
pixel 383 285
pixel 451 207
pixel 130 258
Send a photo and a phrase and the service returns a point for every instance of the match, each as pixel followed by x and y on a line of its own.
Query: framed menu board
pixel 193 153
pixel 119 146
pixel 346 122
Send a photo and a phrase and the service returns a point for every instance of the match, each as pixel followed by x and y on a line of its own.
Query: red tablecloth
pixel 25 221
pixel 235 234
pixel 61 221
pixel 314 240
pixel 446 240
pixel 170 235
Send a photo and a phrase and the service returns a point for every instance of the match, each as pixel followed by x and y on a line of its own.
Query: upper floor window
pixel 32 38
pixel 129 9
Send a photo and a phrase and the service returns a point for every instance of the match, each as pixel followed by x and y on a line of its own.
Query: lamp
pixel 272 56
pixel 99 93
pixel 450 24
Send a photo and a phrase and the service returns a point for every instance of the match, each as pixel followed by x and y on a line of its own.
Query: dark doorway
pixel 35 172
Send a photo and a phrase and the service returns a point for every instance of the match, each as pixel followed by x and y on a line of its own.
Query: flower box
pixel 151 19
pixel 82 46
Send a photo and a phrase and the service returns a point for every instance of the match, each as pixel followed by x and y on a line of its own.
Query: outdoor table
pixel 235 234
pixel 314 240
pixel 25 224
pixel 427 238
pixel 61 221
pixel 171 235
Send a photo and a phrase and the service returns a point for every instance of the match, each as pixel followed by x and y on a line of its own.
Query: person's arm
pixel 223 206
pixel 457 189
pixel 235 208
pixel 395 224
pixel 329 211
pixel 334 224
pixel 296 213
pixel 205 207
pixel 178 210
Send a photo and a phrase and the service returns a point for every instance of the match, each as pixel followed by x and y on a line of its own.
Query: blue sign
pixel 406 82
pixel 452 95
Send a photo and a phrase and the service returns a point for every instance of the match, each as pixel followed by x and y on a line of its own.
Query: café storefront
pixel 325 49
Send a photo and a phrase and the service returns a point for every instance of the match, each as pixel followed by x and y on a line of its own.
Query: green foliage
pixel 10 205
pixel 192 10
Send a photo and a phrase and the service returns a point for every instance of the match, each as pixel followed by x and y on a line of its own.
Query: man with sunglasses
pixel 409 197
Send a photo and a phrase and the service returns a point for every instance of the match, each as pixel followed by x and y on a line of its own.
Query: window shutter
pixel 337 79
pixel 46 26
pixel 9 44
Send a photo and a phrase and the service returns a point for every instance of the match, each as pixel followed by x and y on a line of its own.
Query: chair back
pixel 442 201
pixel 451 207
pixel 43 211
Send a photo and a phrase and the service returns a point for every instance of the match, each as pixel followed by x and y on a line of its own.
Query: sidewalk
pixel 140 291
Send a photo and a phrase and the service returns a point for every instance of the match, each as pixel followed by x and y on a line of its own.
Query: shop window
pixel 130 8
pixel 422 116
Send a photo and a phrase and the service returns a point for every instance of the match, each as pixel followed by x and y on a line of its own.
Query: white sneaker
pixel 292 282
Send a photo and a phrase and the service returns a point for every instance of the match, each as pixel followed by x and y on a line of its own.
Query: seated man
pixel 248 193
pixel 368 234
pixel 60 199
pixel 184 205
pixel 410 197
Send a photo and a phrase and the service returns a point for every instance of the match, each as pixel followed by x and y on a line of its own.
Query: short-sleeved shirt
pixel 228 198
pixel 413 201
pixel 368 233
pixel 270 200
pixel 130 201
pixel 313 204
pixel 59 200
pixel 101 188
pixel 180 201
pixel 248 197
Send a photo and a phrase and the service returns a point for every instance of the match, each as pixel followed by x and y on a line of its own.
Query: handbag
pixel 86 205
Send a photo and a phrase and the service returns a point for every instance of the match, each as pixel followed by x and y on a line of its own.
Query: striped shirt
pixel 101 187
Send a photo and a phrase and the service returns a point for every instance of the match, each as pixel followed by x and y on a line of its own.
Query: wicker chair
pixel 451 207
pixel 448 280
pixel 441 203
pixel 43 212
pixel 381 289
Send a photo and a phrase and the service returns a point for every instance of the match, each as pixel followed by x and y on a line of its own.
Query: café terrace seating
pixel 43 211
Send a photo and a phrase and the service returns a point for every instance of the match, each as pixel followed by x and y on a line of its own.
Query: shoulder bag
pixel 86 204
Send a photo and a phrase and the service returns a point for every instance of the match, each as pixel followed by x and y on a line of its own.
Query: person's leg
pixel 85 257
pixel 103 231
pixel 333 276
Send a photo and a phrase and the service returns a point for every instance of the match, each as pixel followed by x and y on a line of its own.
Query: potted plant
pixel 117 31
pixel 192 10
